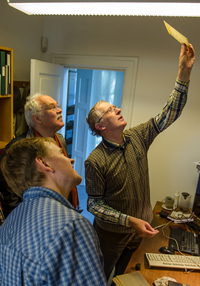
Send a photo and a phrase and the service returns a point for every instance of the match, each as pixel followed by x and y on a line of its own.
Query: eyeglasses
pixel 52 107
pixel 110 109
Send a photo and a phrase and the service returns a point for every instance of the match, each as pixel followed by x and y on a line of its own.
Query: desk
pixel 152 245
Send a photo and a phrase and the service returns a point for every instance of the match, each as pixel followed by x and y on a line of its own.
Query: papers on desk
pixel 168 281
pixel 180 217
pixel 164 281
pixel 133 278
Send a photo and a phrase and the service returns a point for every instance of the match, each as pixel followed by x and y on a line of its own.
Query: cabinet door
pixel 49 79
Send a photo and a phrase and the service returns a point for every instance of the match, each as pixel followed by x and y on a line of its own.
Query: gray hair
pixel 93 117
pixel 32 107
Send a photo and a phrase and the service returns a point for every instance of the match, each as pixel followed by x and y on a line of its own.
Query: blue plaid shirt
pixel 44 241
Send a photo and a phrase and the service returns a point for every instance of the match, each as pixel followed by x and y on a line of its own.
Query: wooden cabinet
pixel 6 99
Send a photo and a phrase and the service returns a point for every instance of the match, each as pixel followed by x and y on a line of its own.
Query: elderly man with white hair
pixel 44 118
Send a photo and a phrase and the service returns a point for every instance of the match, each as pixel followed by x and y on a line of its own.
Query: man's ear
pixel 36 118
pixel 43 164
pixel 100 127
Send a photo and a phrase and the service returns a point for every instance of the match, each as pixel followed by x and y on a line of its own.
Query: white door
pixel 50 79
pixel 82 106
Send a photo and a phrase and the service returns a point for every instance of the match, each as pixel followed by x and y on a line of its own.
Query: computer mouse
pixel 166 250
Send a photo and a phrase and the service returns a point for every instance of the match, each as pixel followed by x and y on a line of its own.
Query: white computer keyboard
pixel 173 261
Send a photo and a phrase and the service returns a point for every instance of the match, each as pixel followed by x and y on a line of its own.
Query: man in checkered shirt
pixel 44 240
pixel 116 172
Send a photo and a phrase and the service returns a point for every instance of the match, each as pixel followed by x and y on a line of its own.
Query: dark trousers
pixel 117 249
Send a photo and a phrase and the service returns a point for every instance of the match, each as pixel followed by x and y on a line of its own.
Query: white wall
pixel 22 33
pixel 172 154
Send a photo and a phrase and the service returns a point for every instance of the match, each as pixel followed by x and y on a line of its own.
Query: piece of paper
pixel 133 278
pixel 164 281
pixel 180 217
pixel 174 33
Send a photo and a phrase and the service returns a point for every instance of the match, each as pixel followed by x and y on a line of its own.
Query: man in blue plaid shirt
pixel 45 241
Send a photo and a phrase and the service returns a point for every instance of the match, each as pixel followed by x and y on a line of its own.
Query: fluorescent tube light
pixel 108 8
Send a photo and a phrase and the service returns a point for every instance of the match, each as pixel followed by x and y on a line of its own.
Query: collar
pixel 34 192
pixel 112 145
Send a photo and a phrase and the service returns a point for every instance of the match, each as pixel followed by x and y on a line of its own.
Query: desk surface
pixel 152 245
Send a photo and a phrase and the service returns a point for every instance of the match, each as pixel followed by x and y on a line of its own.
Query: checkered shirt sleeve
pixel 174 106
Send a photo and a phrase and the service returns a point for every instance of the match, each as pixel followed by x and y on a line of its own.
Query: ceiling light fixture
pixel 51 7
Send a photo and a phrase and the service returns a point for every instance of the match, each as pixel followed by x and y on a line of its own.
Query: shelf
pixel 6 101
pixel 6 96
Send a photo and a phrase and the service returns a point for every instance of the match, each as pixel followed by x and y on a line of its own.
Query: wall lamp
pixel 63 7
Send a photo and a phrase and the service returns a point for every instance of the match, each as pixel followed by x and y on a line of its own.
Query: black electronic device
pixel 196 204
pixel 194 226
pixel 188 242
pixel 177 226
pixel 166 250
pixel 164 214
pixel 173 283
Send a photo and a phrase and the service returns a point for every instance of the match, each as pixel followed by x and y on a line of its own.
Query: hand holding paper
pixel 187 54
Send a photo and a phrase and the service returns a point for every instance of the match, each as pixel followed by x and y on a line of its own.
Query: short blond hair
pixel 19 166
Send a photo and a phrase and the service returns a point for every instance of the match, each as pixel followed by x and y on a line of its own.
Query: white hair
pixel 32 107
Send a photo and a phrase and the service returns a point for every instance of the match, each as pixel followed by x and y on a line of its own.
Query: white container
pixel 176 200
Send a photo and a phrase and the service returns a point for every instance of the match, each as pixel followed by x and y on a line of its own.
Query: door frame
pixel 127 64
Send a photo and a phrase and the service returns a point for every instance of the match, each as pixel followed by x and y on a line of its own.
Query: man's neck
pixel 115 138
pixel 45 133
pixel 50 184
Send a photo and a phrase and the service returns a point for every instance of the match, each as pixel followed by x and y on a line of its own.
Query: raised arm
pixel 177 100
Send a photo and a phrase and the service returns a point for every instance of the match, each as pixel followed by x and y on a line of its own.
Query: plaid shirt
pixel 44 241
pixel 117 178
